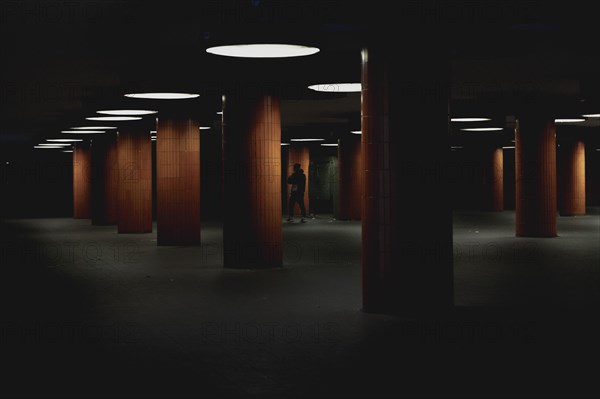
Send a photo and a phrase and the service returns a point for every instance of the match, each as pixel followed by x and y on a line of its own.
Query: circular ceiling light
pixel 356 131
pixel 591 116
pixel 128 112
pixel 307 139
pixel 337 87
pixel 263 50
pixel 94 127
pixel 469 119
pixel 64 140
pixel 569 120
pixel 114 118
pixel 163 96
pixel 482 129
pixel 83 131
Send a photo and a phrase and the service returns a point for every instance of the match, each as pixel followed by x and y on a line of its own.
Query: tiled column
pixel 252 182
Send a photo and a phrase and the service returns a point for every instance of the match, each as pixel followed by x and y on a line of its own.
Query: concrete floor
pixel 87 312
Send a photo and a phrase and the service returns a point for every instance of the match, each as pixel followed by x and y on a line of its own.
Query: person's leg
pixel 291 205
pixel 301 203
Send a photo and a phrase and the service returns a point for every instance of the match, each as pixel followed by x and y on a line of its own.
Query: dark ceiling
pixel 63 60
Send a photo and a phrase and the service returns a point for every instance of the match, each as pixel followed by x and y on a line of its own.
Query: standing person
pixel 298 181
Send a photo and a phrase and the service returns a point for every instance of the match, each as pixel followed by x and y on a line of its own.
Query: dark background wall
pixel 36 184
pixel 323 180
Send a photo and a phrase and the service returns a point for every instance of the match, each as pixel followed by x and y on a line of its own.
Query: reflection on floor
pixel 88 312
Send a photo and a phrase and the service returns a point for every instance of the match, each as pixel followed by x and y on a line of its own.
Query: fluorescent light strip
pixel 219 112
pixel 508 147
pixel 456 147
pixel 48 147
pixel 64 140
pixel 128 112
pixel 329 145
pixel 56 144
pixel 591 116
pixel 307 139
pixel 266 50
pixel 469 119
pixel 163 96
pixel 204 127
pixel 482 129
pixel 67 151
pixel 152 131
pixel 356 131
pixel 569 120
pixel 94 127
pixel 285 143
pixel 336 87
pixel 83 131
pixel 114 118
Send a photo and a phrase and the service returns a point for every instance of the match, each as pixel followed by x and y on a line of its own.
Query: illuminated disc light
pixel 482 129
pixel 329 145
pixel 337 87
pixel 129 112
pixel 114 118
pixel 64 140
pixel 83 131
pixel 356 131
pixel 568 120
pixel 163 96
pixel 591 116
pixel 94 127
pixel 469 119
pixel 263 50
pixel 204 127
pixel 307 139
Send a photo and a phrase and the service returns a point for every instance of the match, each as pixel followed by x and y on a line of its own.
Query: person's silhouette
pixel 298 181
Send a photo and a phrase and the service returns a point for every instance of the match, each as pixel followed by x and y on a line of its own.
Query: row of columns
pixel 401 164
pixel 104 168
pixel 559 181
